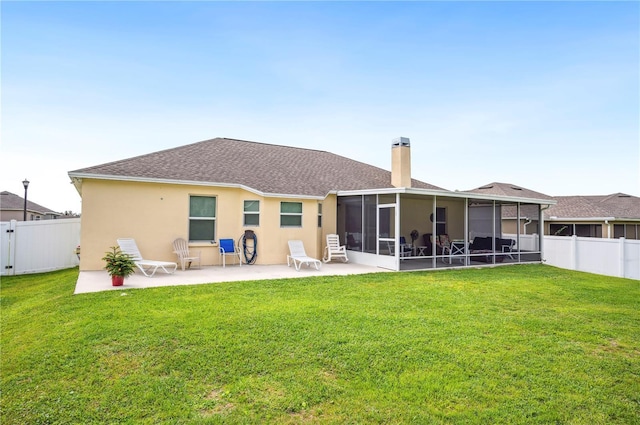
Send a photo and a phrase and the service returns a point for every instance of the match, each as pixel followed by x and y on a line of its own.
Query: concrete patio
pixel 96 281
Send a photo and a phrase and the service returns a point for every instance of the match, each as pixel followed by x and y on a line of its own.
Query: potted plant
pixel 119 265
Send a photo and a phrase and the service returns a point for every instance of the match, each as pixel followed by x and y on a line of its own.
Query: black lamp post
pixel 25 183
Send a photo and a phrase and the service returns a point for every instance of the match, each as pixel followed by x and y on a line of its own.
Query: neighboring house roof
pixel 266 168
pixel 509 189
pixel 617 206
pixel 13 202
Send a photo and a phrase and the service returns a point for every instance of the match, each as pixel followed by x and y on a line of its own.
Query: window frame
pixel 212 219
pixel 290 214
pixel 246 213
pixel 441 220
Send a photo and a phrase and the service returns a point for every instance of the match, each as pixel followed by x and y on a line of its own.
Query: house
pixel 602 216
pixel 12 208
pixel 222 187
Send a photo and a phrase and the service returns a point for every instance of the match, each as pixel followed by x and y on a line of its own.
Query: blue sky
pixel 544 95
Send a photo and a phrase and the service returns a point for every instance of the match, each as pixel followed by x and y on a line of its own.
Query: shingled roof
pixel 617 205
pixel 12 202
pixel 267 168
pixel 509 189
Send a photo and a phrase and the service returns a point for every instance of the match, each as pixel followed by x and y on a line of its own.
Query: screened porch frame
pixel 389 228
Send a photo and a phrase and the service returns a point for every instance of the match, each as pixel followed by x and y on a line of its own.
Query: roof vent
pixel 486 187
pixel 516 188
pixel 400 141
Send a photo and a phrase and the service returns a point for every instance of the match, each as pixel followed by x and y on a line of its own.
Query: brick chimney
pixel 400 162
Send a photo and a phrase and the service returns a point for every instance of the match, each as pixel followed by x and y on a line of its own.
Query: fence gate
pixel 7 242
pixel 38 246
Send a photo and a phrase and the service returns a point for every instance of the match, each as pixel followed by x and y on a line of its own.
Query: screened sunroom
pixel 415 229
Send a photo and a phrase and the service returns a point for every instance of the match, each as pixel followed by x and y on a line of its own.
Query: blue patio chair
pixel 226 248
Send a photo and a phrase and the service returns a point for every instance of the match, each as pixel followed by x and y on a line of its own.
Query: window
pixel 319 215
pixel 559 229
pixel 290 214
pixel 581 230
pixel 628 231
pixel 251 213
pixel 441 220
pixel 202 218
pixel 618 231
pixel 588 230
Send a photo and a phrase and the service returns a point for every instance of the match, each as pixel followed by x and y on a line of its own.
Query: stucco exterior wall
pixel 414 214
pixel 155 214
pixel 527 227
pixel 510 225
pixel 12 215
pixel 455 216
pixel 8 215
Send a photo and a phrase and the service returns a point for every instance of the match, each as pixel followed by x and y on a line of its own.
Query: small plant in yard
pixel 118 264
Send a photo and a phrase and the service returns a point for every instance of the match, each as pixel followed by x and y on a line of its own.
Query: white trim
pixel 587 219
pixel 378 191
pixel 445 193
pixel 79 176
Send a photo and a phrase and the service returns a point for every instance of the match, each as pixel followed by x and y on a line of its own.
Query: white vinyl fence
pixel 38 246
pixel 610 257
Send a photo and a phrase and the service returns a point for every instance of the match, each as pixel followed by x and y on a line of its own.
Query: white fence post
pixel 621 254
pixel 574 252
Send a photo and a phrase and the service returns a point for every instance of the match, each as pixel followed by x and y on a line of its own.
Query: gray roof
pixel 269 169
pixel 617 205
pixel 509 189
pixel 12 202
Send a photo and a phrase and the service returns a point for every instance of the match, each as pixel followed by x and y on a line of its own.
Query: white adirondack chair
pixel 186 257
pixel 334 250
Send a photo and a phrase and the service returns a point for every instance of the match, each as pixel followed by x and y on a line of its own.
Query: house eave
pixel 32 211
pixel 589 219
pixel 76 179
pixel 392 190
pixel 445 193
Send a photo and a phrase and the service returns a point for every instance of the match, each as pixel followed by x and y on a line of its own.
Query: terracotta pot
pixel 117 280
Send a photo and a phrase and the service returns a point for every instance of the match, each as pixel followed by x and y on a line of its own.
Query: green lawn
pixel 518 344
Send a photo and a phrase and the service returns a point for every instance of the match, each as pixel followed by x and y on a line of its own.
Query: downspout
pixel 524 226
pixel 608 228
pixel 542 217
